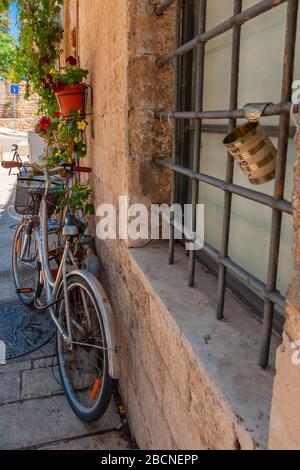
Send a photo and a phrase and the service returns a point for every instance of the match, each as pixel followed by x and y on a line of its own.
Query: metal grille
pixel 277 203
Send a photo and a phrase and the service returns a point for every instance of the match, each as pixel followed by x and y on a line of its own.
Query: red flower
pixel 44 82
pixel 49 77
pixel 45 123
pixel 71 60
pixel 58 86
pixel 56 114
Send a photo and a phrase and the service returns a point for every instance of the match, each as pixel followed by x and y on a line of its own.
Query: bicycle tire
pixel 25 298
pixel 86 415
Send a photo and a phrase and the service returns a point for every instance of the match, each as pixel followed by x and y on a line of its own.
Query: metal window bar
pixel 235 69
pixel 272 131
pixel 276 202
pixel 176 128
pixel 197 134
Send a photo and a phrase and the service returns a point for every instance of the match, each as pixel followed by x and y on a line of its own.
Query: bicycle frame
pixel 40 225
pixel 52 285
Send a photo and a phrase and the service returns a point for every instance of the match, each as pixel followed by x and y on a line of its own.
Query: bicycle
pixel 87 349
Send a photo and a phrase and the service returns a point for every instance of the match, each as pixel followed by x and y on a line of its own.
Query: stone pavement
pixel 9 132
pixel 34 413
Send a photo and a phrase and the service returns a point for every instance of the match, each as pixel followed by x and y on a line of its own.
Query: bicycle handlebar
pixel 10 164
pixel 82 169
pixel 77 169
pixel 74 169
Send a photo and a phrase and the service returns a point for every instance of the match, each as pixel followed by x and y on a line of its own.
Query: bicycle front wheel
pixel 24 258
pixel 83 366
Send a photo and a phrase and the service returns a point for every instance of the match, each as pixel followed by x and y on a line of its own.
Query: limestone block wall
pixel 69 17
pixel 118 43
pixel 285 422
pixel 149 90
pixel 25 109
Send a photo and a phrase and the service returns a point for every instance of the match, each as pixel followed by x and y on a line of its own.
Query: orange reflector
pixel 18 245
pixel 25 291
pixel 96 389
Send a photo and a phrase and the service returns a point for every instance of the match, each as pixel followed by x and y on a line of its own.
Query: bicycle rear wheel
pixel 24 264
pixel 84 366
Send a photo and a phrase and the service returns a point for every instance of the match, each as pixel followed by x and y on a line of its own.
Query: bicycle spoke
pixel 24 269
pixel 84 363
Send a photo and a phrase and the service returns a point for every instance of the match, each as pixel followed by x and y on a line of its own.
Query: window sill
pixel 227 350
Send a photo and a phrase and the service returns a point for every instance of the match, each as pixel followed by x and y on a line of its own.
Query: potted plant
pixel 64 137
pixel 68 85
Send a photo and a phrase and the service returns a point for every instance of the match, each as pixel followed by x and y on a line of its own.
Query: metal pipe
pixel 287 80
pixel 175 129
pixel 272 131
pixel 264 199
pixel 270 110
pixel 235 68
pixel 197 135
pixel 239 19
pixel 160 9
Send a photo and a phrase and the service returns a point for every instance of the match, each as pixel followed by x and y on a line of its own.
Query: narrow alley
pixel 34 413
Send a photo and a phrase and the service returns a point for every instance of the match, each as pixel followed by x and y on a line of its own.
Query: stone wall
pixel 119 42
pixel 70 13
pixel 163 386
pixel 285 422
pixel 25 109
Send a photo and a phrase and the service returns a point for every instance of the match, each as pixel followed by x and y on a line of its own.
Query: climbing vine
pixel 4 5
pixel 7 44
pixel 41 34
pixel 37 61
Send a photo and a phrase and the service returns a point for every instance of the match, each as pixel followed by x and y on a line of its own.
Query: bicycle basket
pixel 29 193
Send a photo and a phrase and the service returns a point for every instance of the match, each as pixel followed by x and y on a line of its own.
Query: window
pixel 229 54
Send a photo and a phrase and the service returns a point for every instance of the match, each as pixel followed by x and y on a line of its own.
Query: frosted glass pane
pixel 249 236
pixel 217 59
pixel 261 65
pixel 261 61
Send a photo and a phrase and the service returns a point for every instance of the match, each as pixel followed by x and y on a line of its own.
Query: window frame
pixel 179 165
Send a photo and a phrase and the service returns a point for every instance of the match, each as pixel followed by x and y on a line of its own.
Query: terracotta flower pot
pixel 71 98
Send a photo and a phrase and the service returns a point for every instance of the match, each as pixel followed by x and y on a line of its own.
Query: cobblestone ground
pixel 33 410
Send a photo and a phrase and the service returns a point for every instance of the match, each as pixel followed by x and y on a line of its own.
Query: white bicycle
pixel 87 349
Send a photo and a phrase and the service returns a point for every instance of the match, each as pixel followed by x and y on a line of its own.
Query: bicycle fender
pixel 107 318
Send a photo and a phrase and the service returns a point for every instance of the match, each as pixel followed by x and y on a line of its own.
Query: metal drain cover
pixel 23 329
